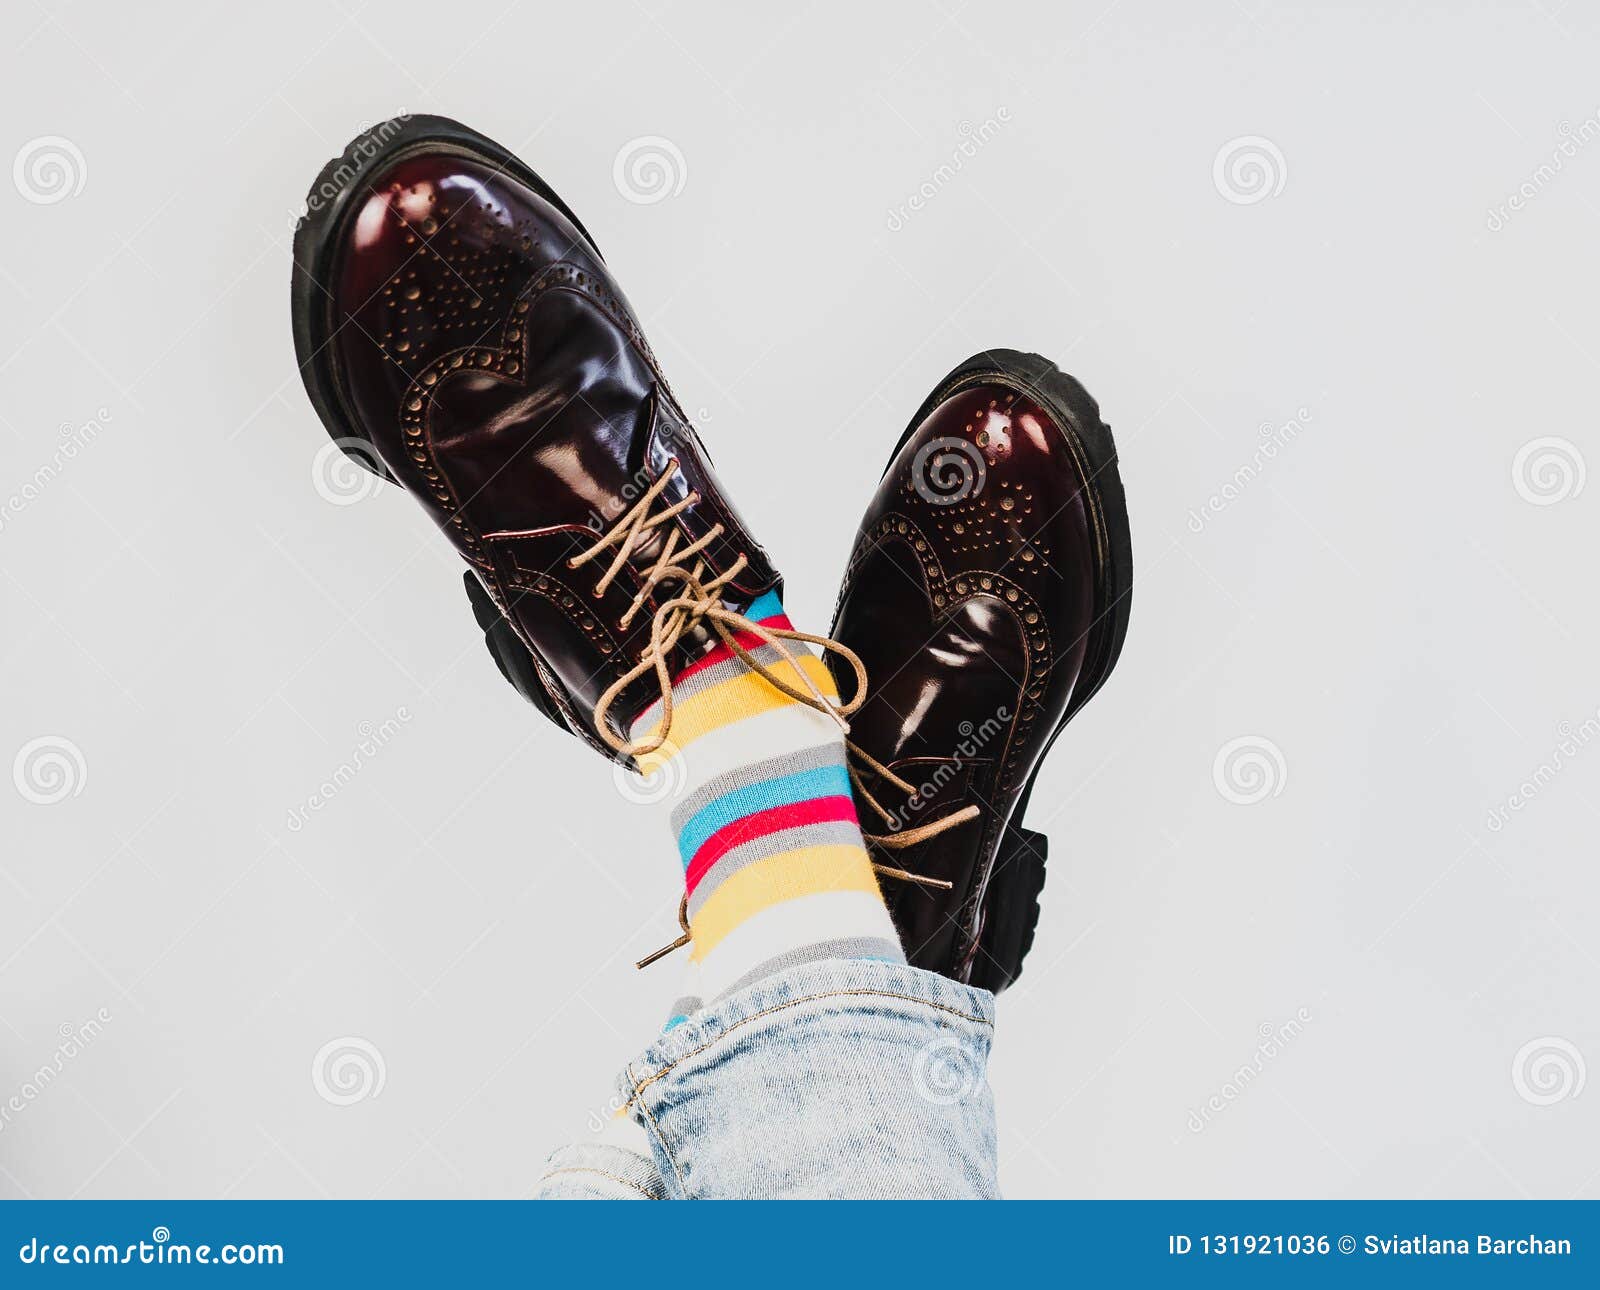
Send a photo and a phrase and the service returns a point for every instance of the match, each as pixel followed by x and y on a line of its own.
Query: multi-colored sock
pixel 774 865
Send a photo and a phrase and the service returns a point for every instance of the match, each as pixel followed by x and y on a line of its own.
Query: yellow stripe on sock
pixel 788 875
pixel 740 696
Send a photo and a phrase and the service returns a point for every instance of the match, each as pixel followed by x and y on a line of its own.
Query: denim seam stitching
pixel 601 1173
pixel 666 1149
pixel 767 1012
pixel 655 1130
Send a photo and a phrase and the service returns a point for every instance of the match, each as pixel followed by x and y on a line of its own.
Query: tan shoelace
pixel 700 601
pixel 900 839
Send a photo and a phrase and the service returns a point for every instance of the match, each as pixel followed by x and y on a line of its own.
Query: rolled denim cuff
pixel 830 1079
pixel 599 1171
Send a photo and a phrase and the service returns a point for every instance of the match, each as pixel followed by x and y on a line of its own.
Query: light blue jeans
pixel 843 1078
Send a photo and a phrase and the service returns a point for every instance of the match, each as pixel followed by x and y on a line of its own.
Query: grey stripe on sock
pixel 840 833
pixel 848 947
pixel 789 763
pixel 767 655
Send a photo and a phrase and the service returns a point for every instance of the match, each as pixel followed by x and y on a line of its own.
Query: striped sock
pixel 774 865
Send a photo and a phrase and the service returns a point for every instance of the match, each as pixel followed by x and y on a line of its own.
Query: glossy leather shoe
pixel 988 595
pixel 459 334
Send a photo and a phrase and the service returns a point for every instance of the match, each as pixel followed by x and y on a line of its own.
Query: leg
pixel 834 1079
pixel 804 1058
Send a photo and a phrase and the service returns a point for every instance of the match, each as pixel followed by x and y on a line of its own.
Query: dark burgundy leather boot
pixel 459 334
pixel 988 595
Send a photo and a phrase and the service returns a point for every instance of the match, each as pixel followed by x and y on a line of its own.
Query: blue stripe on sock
pixel 766 605
pixel 785 790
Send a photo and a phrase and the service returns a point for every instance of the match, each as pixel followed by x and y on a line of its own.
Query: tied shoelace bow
pixel 699 600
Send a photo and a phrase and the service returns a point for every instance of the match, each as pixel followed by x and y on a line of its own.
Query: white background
pixel 1382 602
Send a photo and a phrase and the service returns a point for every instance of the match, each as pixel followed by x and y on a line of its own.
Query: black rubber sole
pixel 336 196
pixel 1012 908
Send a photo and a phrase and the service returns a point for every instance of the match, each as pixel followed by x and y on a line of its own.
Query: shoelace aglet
pixel 662 953
pixel 905 875
pixel 683 922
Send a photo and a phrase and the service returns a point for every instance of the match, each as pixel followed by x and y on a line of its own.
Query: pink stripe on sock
pixel 721 654
pixel 747 640
pixel 819 810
